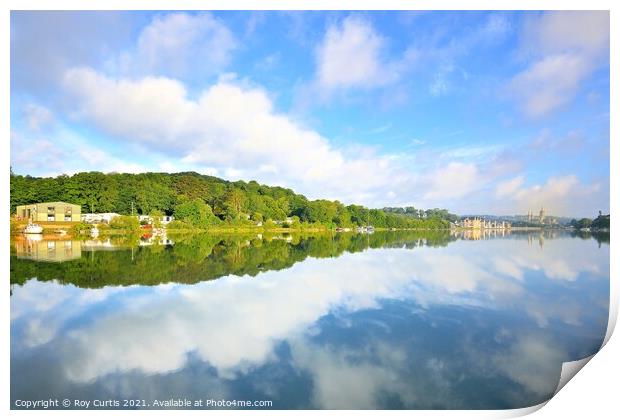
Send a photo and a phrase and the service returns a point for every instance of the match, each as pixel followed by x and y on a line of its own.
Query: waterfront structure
pixel 477 223
pixel 56 211
pixel 541 215
pixel 474 223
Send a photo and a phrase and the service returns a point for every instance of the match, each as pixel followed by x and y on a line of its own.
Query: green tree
pixel 130 223
pixel 156 216
pixel 234 202
pixel 196 213
pixel 584 223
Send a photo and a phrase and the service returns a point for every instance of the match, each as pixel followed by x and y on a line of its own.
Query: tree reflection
pixel 195 258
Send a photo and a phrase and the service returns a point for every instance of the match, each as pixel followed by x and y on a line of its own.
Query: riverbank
pixel 80 228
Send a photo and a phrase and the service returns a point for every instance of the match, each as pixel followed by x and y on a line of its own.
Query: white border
pixel 593 394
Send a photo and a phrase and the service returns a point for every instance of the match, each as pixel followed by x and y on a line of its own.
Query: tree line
pixel 201 200
pixel 602 222
pixel 423 214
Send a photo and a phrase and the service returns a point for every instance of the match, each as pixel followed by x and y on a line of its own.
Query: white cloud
pixel 555 188
pixel 496 27
pixel 45 43
pixel 572 143
pixel 41 155
pixel 229 126
pixel 30 153
pixel 349 55
pixel 443 80
pixel 509 187
pixel 550 83
pixel 152 109
pixel 440 83
pixel 453 181
pixel 567 46
pixel 181 45
pixel 37 116
pixel 560 195
pixel 353 54
pixel 551 32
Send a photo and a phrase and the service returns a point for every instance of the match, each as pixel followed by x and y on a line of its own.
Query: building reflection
pixel 35 247
pixel 99 245
pixel 478 234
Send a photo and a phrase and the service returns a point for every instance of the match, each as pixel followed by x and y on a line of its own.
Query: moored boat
pixel 33 228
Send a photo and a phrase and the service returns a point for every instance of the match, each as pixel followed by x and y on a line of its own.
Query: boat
pixel 33 228
pixel 94 232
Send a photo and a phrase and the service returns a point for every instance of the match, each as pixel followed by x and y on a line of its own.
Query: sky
pixel 477 112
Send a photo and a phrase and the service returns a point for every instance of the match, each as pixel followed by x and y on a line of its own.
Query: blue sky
pixel 477 112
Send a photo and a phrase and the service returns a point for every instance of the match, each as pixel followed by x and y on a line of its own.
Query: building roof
pixel 57 203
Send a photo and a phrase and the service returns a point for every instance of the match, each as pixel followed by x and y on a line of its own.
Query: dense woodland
pixel 203 201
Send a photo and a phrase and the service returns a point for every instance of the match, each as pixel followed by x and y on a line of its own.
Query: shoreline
pixel 49 232
pixel 54 229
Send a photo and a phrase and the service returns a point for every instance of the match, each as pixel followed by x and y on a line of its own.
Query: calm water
pixel 388 320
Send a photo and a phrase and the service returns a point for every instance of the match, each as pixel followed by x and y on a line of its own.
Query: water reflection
pixel 35 247
pixel 311 322
pixel 195 258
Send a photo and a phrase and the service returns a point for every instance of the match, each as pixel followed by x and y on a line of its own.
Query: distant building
pixel 164 220
pixel 56 211
pixel 288 220
pixel 98 217
pixel 474 223
pixel 542 218
pixel 477 223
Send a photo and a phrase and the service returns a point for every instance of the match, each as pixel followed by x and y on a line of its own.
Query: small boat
pixel 94 232
pixel 33 228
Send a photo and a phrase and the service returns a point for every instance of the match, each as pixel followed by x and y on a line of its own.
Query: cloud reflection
pixel 235 324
